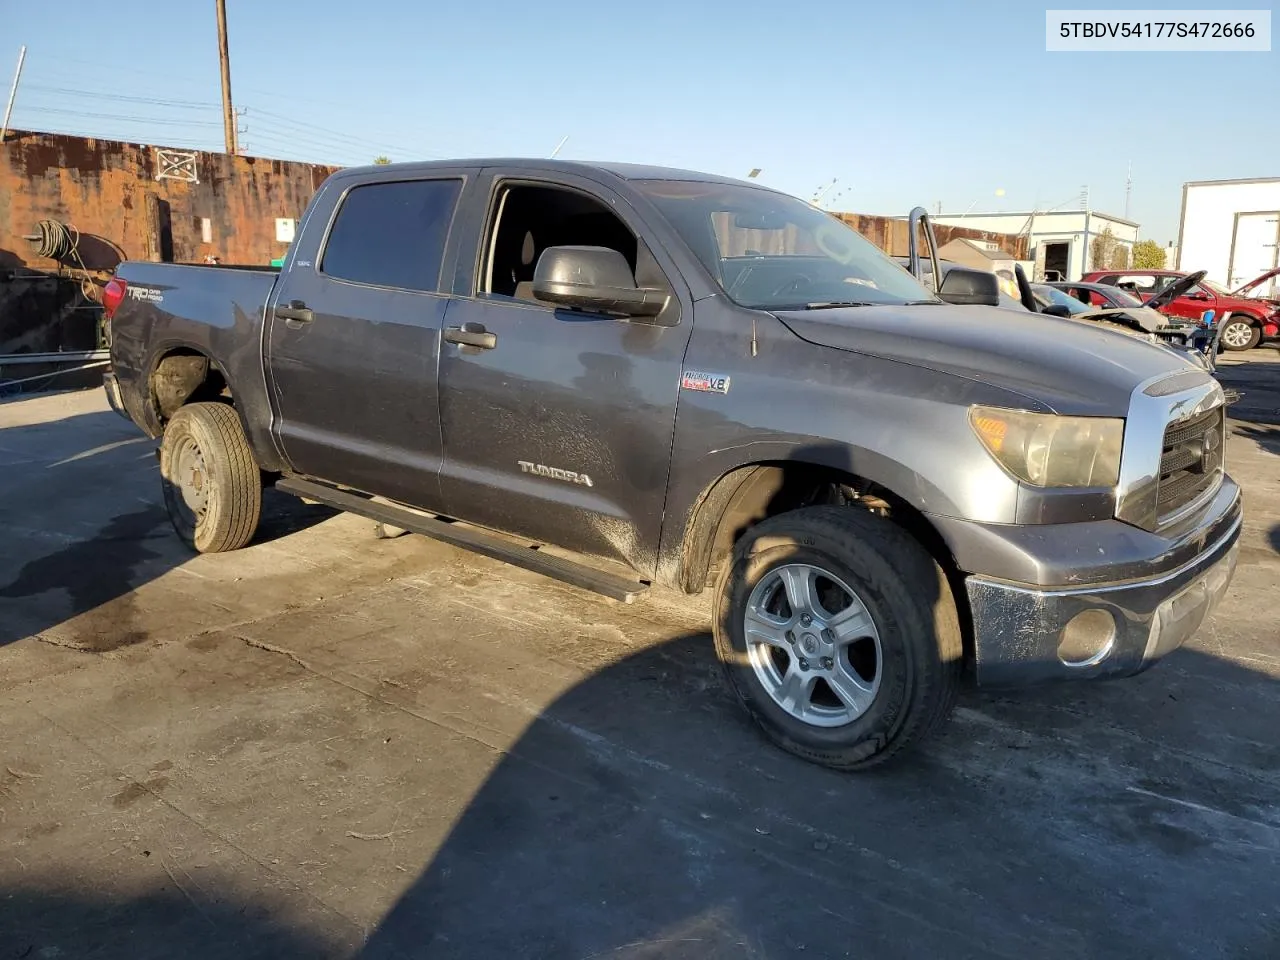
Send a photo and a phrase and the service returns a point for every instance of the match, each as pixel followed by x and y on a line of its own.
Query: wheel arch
pixel 180 373
pixel 745 494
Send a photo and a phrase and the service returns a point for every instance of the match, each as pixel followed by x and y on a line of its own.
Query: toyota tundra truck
pixel 625 376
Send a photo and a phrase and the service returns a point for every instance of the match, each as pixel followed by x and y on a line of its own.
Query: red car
pixel 1246 321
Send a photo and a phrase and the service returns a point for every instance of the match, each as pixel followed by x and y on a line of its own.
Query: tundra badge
pixel 555 473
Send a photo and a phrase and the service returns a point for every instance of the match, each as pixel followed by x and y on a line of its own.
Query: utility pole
pixel 228 112
pixel 1128 189
pixel 13 92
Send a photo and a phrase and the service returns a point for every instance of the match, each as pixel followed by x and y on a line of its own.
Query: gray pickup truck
pixel 623 375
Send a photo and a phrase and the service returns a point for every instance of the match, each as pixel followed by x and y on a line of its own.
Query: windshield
pixel 1121 298
pixel 1054 295
pixel 1220 291
pixel 770 251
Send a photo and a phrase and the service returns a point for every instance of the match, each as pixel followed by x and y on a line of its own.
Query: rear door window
pixel 392 234
pixel 1139 284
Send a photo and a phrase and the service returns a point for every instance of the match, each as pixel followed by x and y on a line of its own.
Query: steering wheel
pixel 1025 293
pixel 790 284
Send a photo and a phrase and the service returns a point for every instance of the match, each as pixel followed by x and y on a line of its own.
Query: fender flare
pixel 688 554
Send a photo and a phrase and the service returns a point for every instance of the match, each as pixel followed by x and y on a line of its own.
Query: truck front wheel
pixel 212 486
pixel 839 634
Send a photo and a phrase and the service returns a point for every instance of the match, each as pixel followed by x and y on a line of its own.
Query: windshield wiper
pixel 829 304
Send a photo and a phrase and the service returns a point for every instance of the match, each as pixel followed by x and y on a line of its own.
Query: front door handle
pixel 295 314
pixel 471 335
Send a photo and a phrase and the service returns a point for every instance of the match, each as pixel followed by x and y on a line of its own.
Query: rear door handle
pixel 295 314
pixel 471 335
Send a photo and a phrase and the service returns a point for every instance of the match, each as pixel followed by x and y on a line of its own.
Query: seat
pixel 523 275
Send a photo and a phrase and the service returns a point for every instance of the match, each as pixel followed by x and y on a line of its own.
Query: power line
pixel 202 145
pixel 337 134
pixel 124 98
pixel 169 121
pixel 48 98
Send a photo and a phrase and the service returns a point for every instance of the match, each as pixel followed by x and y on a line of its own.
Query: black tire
pixel 1238 319
pixel 226 481
pixel 907 596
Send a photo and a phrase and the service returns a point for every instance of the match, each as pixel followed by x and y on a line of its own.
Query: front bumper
pixel 1025 633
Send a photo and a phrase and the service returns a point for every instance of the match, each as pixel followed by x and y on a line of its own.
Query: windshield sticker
pixel 704 382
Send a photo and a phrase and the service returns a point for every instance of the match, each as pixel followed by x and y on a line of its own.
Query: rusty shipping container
pixel 127 201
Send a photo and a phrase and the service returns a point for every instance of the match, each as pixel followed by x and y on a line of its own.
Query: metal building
pixel 1059 241
pixel 1231 228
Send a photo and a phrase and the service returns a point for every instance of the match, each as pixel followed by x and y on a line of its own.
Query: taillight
pixel 113 295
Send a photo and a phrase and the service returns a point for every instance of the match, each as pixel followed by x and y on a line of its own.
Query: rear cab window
pixel 392 234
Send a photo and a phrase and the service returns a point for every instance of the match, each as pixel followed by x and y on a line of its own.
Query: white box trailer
pixel 1231 228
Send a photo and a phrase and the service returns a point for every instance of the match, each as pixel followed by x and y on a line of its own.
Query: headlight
pixel 1047 450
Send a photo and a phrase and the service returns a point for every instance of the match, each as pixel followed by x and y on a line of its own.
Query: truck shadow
pixel 155 925
pixel 84 525
pixel 641 816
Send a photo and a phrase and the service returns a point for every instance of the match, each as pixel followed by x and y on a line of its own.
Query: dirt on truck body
pixel 701 383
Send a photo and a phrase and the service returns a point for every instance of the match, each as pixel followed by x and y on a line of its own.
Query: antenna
pixel 822 191
pixel 558 146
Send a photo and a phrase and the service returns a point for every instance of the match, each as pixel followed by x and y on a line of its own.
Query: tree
pixel 1101 248
pixel 1108 253
pixel 1148 255
pixel 381 160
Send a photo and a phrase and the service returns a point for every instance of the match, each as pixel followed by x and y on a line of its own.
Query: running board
pixel 469 538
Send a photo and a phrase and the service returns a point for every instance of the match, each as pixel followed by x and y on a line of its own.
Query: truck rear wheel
pixel 1240 333
pixel 839 633
pixel 212 487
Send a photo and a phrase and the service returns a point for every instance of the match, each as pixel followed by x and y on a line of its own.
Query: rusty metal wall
pixel 109 191
pixel 890 235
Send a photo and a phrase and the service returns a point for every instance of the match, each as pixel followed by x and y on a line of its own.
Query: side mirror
pixel 964 286
pixel 1057 310
pixel 1197 296
pixel 595 279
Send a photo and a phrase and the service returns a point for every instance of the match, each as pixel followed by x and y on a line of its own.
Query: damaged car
pixel 1114 307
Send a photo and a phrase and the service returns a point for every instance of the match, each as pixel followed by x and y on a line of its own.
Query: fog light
pixel 1087 638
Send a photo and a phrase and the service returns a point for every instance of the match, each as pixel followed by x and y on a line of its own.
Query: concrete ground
pixel 329 745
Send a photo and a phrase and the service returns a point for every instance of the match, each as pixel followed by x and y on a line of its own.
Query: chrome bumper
pixel 1026 634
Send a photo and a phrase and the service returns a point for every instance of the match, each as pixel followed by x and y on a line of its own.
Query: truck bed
pixel 209 309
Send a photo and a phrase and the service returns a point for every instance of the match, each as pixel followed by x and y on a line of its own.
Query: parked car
pixel 1193 340
pixel 1106 304
pixel 1246 321
pixel 711 384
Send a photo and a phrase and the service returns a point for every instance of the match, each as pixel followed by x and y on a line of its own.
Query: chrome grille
pixel 1191 462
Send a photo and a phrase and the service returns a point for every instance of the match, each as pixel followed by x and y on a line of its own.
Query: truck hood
pixel 1067 366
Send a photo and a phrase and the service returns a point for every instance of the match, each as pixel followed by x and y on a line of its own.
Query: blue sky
pixel 902 103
